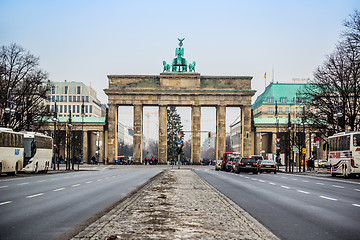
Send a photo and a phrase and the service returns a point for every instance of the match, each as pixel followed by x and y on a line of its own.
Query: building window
pixel 65 108
pixel 78 89
pixel 53 89
pixel 73 108
pixel 66 89
pixel 69 108
pixel 280 110
pixel 61 108
pixel 65 99
pixel 57 98
pixel 52 108
pixel 53 98
pixel 87 98
pixel 74 98
pixel 287 110
pixel 270 100
pixel 86 108
pixel 270 110
pixel 82 99
pixel 70 99
pixel 283 100
pixel 78 99
pixel 78 108
pixel 90 109
pixel 61 98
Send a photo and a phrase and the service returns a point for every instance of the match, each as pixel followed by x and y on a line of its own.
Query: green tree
pixel 174 127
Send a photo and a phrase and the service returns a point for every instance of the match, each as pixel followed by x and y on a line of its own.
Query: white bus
pixel 11 151
pixel 344 153
pixel 38 150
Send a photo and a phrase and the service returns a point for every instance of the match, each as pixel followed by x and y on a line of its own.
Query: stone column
pixel 85 147
pixel 220 131
pixel 273 143
pixel 162 148
pixel 138 133
pixel 196 134
pixel 101 147
pixel 113 132
pixel 246 128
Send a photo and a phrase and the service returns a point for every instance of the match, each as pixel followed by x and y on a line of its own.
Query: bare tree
pixel 335 89
pixel 29 87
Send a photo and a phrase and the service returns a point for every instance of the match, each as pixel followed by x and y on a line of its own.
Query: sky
pixel 86 40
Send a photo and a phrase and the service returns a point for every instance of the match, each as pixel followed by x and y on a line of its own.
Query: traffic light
pixel 247 134
pixel 57 150
pixel 277 151
pixel 179 150
pixel 209 134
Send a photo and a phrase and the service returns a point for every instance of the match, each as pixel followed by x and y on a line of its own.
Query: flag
pixel 265 75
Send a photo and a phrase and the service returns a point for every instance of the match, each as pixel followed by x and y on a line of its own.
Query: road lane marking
pixel 3 186
pixel 75 185
pixel 356 205
pixel 3 203
pixel 305 180
pixel 20 184
pixel 36 195
pixel 53 179
pixel 246 177
pixel 59 189
pixel 300 191
pixel 99 179
pixel 319 183
pixel 328 198
pixel 295 179
pixel 272 183
pixel 283 177
pixel 41 181
pixel 357 190
pixel 337 186
pixel 261 181
pixel 254 179
pixel 89 182
pixel 285 187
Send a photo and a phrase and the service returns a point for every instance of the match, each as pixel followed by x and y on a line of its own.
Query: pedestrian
pixel 93 160
pixel 146 161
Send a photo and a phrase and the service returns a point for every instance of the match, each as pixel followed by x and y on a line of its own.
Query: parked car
pixel 267 166
pixel 247 165
pixel 218 165
pixel 320 163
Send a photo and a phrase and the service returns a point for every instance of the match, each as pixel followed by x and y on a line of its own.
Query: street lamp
pixel 55 120
pixel 289 146
pixel 68 142
pixel 303 152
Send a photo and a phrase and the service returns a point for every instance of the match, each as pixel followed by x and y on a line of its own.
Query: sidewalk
pixel 177 204
pixel 321 172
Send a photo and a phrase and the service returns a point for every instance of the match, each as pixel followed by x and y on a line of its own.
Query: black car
pixel 247 165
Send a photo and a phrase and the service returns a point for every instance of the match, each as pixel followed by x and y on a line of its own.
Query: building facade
pixel 70 96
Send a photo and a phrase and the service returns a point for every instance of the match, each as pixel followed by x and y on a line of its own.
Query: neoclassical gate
pixel 179 88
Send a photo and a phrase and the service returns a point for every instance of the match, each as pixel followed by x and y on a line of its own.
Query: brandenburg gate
pixel 181 86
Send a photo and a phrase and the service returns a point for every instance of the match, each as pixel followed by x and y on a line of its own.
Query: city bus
pixel 11 151
pixel 344 154
pixel 38 152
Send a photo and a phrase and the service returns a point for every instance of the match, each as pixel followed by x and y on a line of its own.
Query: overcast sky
pixel 85 40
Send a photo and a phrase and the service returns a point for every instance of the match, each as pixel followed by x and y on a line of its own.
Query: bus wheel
pixel 345 174
pixel 46 167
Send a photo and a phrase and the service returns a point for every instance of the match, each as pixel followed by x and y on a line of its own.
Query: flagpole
pixel 265 79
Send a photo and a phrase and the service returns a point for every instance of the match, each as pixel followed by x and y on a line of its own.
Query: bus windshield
pixel 356 140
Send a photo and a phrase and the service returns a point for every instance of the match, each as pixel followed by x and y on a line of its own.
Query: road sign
pixel 179 136
pixel 179 141
pixel 303 150
pixel 295 149
pixel 278 145
pixel 277 140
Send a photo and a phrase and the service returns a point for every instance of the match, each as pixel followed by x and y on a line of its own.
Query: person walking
pixel 93 160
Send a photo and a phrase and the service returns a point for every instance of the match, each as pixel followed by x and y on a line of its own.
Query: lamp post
pixel 338 113
pixel 69 142
pixel 9 108
pixel 277 135
pixel 82 132
pixel 303 123
pixel 289 146
pixel 55 119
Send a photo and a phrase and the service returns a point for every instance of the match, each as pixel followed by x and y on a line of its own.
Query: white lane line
pixel 53 179
pixel 272 183
pixel 246 177
pixel 295 179
pixel 261 181
pixel 328 198
pixel 300 191
pixel 3 186
pixel 283 177
pixel 305 180
pixel 319 183
pixel 254 179
pixel 41 181
pixel 357 190
pixel 89 182
pixel 36 195
pixel 356 205
pixel 59 189
pixel 3 203
pixel 20 184
pixel 75 185
pixel 99 179
pixel 285 187
pixel 337 186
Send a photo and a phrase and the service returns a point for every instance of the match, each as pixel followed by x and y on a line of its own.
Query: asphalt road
pixel 294 206
pixel 55 206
